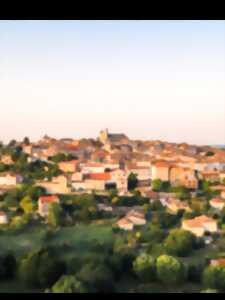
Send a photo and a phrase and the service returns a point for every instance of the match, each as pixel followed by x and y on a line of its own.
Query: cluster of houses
pixel 106 162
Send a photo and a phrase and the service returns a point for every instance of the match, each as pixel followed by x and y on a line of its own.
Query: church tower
pixel 103 136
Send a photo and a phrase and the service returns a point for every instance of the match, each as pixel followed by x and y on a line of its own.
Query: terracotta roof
pixel 74 162
pixel 198 221
pixel 94 164
pixel 218 262
pixel 50 198
pixel 216 200
pixel 99 176
pixel 163 164
pixel 124 221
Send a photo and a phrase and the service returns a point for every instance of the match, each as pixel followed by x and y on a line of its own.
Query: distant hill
pixel 218 146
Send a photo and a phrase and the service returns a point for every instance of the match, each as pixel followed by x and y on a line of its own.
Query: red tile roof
pixel 100 176
pixel 50 198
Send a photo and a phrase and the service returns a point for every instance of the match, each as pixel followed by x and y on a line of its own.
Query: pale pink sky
pixel 148 79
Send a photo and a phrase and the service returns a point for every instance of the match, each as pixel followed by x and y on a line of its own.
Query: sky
pixel 148 79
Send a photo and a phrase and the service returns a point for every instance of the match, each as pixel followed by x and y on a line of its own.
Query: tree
pixel 28 205
pixel 132 181
pixel 153 233
pixel 59 157
pixel 98 277
pixel 7 266
pixel 209 153
pixel 144 267
pixel 169 269
pixel 157 185
pixel 40 268
pixel 179 242
pixel 56 214
pixel 26 141
pixel 3 167
pixel 214 277
pixel 68 284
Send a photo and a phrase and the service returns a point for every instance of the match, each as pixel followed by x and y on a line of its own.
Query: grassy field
pixel 78 239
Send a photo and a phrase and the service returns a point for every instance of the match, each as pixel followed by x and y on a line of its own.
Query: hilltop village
pixel 163 201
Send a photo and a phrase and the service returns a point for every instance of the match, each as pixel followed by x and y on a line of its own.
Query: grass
pixel 78 237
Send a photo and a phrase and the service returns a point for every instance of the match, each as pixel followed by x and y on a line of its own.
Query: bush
pixel 180 242
pixel 68 284
pixel 214 277
pixel 169 269
pixel 97 277
pixel 144 267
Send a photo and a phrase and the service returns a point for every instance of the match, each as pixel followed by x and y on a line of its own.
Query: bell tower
pixel 103 136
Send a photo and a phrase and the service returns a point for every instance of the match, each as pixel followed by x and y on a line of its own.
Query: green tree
pixel 179 242
pixel 98 277
pixel 157 185
pixel 3 167
pixel 132 181
pixel 169 269
pixel 56 215
pixel 28 205
pixel 144 267
pixel 214 277
pixel 40 268
pixel 68 284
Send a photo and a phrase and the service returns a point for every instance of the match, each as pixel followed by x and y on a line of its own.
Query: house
pixel 99 155
pixel 119 177
pixel 10 179
pixel 3 218
pixel 199 225
pixel 144 163
pixel 218 262
pixel 212 176
pixel 223 194
pixel 174 205
pixel 68 166
pixel 143 173
pixel 97 181
pixel 58 185
pixel 125 224
pixel 43 204
pixel 217 203
pixel 136 217
pixel 6 159
pixel 104 207
pixel 160 170
pixel 183 177
pixel 132 218
pixel 92 167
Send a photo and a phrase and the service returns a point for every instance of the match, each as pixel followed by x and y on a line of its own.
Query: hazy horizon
pixel 155 80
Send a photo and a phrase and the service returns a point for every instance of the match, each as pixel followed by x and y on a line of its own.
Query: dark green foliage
pixel 7 266
pixel 169 269
pixel 214 277
pixel 144 267
pixel 40 268
pixel 180 242
pixel 68 284
pixel 97 277
pixel 132 181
